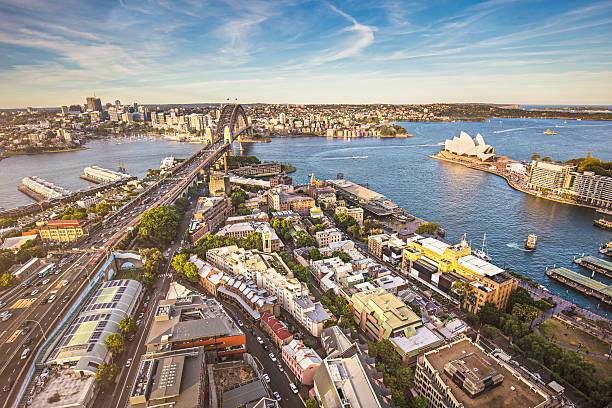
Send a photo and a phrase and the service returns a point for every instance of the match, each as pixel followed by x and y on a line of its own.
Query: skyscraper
pixel 94 104
pixel 117 103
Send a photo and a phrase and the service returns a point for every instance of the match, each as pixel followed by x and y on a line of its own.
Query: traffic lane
pixel 279 381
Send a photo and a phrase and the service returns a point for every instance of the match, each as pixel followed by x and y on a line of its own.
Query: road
pixel 31 311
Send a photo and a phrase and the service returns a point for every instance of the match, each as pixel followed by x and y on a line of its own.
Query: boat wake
pixel 509 130
pixel 344 157
pixel 514 245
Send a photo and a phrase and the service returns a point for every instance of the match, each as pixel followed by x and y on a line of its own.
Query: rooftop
pixel 423 338
pixel 512 391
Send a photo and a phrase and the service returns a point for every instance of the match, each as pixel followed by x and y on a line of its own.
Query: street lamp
pixel 41 329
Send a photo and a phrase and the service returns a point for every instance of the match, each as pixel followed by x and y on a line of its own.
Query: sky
pixel 288 51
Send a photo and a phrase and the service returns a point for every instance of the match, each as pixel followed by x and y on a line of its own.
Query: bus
pixel 45 271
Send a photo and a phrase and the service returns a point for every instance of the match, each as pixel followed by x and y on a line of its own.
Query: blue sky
pixel 284 51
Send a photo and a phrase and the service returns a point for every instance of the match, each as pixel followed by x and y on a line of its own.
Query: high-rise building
pixel 64 110
pixel 94 104
pixel 550 176
pixel 117 103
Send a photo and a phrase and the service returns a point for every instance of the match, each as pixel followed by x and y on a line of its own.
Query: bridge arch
pixel 233 123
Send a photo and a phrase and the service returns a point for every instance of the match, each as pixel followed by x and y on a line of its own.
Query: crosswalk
pixel 23 303
pixel 166 275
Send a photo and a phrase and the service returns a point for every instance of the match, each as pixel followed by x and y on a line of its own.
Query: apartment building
pixel 211 212
pixel 271 241
pixel 276 329
pixel 282 198
pixel 463 375
pixel 301 360
pixel 328 236
pixel 355 213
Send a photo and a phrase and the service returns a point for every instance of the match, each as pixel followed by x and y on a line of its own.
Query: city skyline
pixel 495 51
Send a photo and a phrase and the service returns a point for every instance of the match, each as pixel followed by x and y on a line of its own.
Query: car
pixel 141 315
pixel 144 309
pixel 293 388
pixel 138 322
pixel 128 362
pixel 240 323
pixel 277 396
pixel 27 342
pixel 25 354
pixel 131 338
pixel 34 292
pixel 280 368
pixel 65 283
pixel 146 304
pixel 46 281
pixel 26 330
pixel 51 299
pixel 272 357
pixel 2 304
pixel 259 340
pixel 65 299
pixel 148 297
pixel 6 316
pixel 9 384
pixel 266 377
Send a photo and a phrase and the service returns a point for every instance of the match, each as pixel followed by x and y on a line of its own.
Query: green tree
pixel 535 156
pixel 7 222
pixel 159 225
pixel 190 272
pixel 238 197
pixel 488 331
pixel 179 261
pixel 312 403
pixel 525 313
pixel 127 326
pixel 154 260
pixel 329 323
pixel 115 343
pixel 342 255
pixel 472 319
pixel 181 204
pixel 304 239
pixel 489 314
pixel 315 254
pixel 519 296
pixel 106 374
pixel 430 228
pixel 7 280
pixel 419 402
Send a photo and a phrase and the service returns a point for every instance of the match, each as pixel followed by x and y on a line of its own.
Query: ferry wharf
pixel 595 264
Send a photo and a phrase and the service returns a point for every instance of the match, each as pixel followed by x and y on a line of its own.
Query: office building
pixel 462 375
pixel 344 382
pixel 210 213
pixel 301 360
pixel 328 236
pixel 381 315
pixel 94 104
pixel 590 188
pixel 195 321
pixel 282 198
pixel 62 230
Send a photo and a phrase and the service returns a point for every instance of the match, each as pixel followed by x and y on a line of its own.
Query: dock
pixel 582 283
pixel 595 264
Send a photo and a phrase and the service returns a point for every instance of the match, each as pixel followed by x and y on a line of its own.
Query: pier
pixel 582 283
pixel 595 264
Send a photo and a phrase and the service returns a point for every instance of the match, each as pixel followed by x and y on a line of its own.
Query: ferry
pixel 606 249
pixel 549 132
pixel 603 222
pixel 531 242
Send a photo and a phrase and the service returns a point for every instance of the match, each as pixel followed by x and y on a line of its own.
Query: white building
pixel 328 236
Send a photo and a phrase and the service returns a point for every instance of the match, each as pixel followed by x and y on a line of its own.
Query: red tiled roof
pixel 277 326
pixel 62 223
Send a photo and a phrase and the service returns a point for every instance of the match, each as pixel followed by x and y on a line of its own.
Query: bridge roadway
pixel 31 310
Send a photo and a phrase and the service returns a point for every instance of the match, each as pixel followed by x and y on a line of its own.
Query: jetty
pixel 582 283
pixel 595 264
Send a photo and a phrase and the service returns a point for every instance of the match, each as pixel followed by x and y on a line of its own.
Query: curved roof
pixel 465 145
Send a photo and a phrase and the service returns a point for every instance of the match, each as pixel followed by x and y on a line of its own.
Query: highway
pixel 34 318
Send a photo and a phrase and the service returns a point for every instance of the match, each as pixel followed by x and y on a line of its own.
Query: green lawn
pixel 570 336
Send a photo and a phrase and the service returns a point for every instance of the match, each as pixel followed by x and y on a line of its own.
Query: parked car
pixel 266 377
pixel 240 323
pixel 277 396
pixel 259 340
pixel 293 388
pixel 128 362
pixel 280 367
pixel 272 357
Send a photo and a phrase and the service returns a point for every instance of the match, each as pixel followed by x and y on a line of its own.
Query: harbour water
pixel 468 201
pixel 462 200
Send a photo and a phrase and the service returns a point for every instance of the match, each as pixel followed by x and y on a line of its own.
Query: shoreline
pixel 11 154
pixel 513 185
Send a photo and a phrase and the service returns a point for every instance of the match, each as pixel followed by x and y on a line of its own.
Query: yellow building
pixel 382 315
pixel 62 230
pixel 441 264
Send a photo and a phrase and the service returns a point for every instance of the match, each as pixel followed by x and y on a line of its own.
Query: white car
pixel 34 292
pixel 240 323
pixel 45 281
pixel 272 357
pixel 66 282
pixel 293 388
pixel 277 396
pixel 128 362
pixel 266 377
pixel 259 340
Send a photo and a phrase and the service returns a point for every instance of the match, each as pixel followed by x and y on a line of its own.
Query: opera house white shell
pixel 464 145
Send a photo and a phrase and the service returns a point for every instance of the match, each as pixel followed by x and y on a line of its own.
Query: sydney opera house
pixel 464 145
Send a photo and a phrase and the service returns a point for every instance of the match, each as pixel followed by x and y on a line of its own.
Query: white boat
pixel 482 253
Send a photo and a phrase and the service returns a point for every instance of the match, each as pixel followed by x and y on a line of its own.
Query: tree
pixel 303 239
pixel 312 403
pixel 430 228
pixel 472 319
pixel 154 259
pixel 159 225
pixel 535 156
pixel 329 323
pixel 342 255
pixel 181 204
pixel 115 343
pixel 127 327
pixel 519 295
pixel 489 314
pixel 419 402
pixel 315 254
pixel 238 197
pixel 190 272
pixel 489 331
pixel 179 261
pixel 525 313
pixel 106 374
pixel 7 280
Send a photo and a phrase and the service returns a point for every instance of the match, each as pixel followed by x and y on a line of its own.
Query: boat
pixel 531 241
pixel 549 132
pixel 606 249
pixel 482 253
